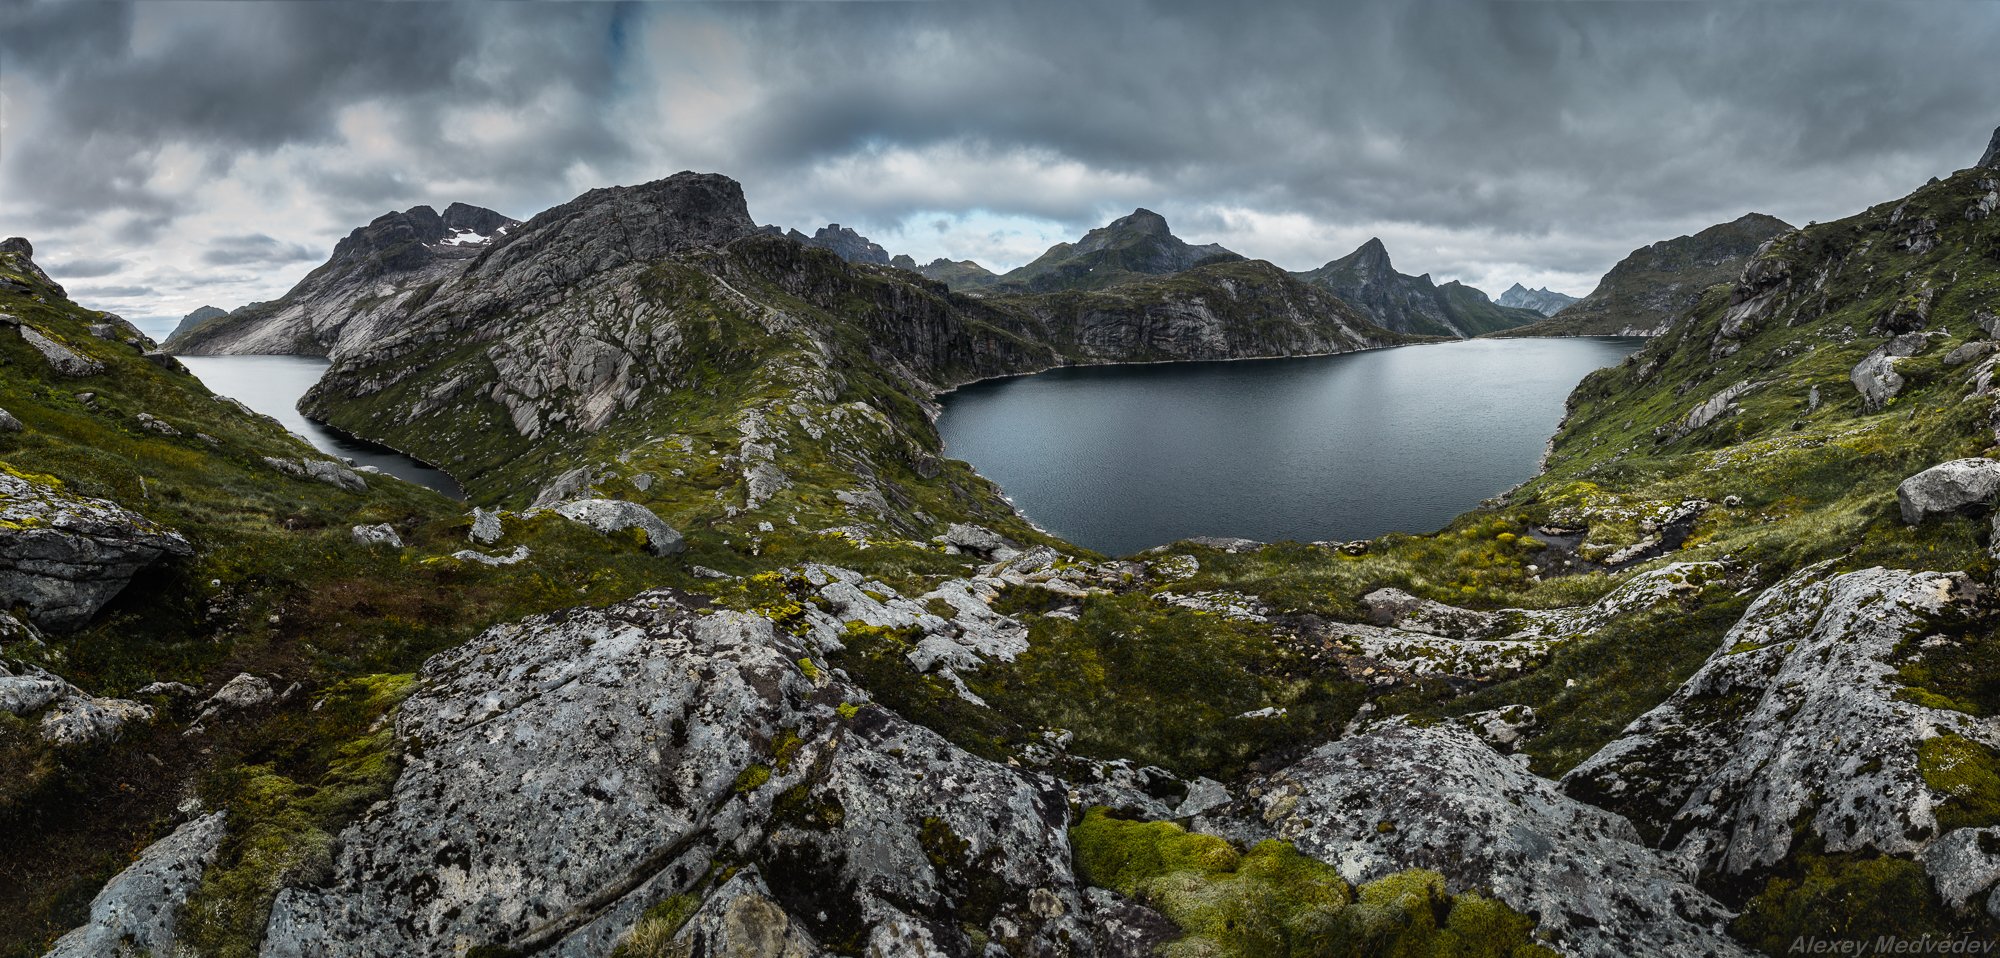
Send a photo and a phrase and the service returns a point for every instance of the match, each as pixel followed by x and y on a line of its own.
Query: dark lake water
pixel 272 385
pixel 1123 458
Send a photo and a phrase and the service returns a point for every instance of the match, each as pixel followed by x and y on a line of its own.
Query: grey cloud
pixel 1548 137
pixel 84 268
pixel 257 248
pixel 111 292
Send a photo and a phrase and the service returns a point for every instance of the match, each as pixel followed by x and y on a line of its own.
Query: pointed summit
pixel 1133 246
pixel 1991 160
pixel 1372 252
pixel 1142 221
pixel 1367 281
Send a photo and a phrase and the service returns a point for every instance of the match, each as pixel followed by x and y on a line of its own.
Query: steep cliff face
pixel 376 276
pixel 1366 280
pixel 1658 284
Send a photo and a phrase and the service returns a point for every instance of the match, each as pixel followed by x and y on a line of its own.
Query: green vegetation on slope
pixel 277 588
pixel 1657 284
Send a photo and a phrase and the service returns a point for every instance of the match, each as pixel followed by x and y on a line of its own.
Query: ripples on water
pixel 1123 458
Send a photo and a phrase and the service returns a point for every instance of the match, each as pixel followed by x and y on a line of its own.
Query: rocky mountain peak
pixel 612 226
pixel 1133 246
pixel 1143 220
pixel 22 253
pixel 477 219
pixel 1371 257
pixel 1546 301
pixel 847 244
pixel 1991 159
pixel 198 317
pixel 1366 280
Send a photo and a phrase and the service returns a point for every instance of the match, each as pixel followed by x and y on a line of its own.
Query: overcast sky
pixel 166 155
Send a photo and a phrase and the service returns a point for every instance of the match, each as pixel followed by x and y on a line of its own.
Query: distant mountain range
pixel 359 295
pixel 1655 285
pixel 1366 280
pixel 1545 301
pixel 391 266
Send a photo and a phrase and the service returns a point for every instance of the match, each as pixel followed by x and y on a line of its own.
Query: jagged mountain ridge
pixel 372 276
pixel 961 275
pixel 1654 285
pixel 845 243
pixel 554 360
pixel 1546 301
pixel 1366 280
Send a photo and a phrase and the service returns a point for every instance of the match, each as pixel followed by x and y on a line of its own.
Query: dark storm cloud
pixel 257 249
pixel 121 83
pixel 1451 114
pixel 1483 140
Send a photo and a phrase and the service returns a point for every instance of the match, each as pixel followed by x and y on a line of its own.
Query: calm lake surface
pixel 272 385
pixel 1123 458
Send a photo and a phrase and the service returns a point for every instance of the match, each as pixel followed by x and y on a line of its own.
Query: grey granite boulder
pixel 570 771
pixel 137 914
pixel 319 470
pixel 8 423
pixel 1714 407
pixel 240 692
pixel 84 720
pixel 1949 488
pixel 382 534
pixel 1437 797
pixel 65 556
pixel 1875 377
pixel 616 515
pixel 73 716
pixel 61 358
pixel 1797 728
pixel 486 528
pixel 979 541
pixel 511 558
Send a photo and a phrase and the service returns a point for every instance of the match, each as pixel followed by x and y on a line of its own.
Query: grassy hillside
pixel 1658 284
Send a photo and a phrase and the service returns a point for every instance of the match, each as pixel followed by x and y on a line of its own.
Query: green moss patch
pixel 1843 898
pixel 1272 902
pixel 1966 777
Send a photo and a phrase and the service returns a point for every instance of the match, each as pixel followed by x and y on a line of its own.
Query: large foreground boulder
pixel 137 913
pixel 1949 488
pixel 63 556
pixel 1402 796
pixel 1802 731
pixel 569 772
